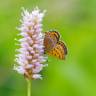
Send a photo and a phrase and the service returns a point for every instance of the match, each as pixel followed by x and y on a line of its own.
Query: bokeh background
pixel 76 22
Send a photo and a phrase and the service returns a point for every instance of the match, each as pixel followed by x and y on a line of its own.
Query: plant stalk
pixel 28 87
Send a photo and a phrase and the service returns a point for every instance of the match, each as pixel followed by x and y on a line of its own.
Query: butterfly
pixel 53 46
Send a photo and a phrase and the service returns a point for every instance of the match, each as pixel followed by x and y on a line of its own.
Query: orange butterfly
pixel 53 46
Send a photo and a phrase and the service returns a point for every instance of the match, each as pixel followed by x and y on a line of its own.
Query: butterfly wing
pixel 64 47
pixel 59 51
pixel 50 40
pixel 55 34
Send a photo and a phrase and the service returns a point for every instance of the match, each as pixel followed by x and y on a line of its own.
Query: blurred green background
pixel 76 22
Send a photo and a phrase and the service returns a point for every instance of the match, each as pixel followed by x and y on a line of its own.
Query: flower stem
pixel 28 87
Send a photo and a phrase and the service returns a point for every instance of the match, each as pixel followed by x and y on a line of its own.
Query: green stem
pixel 28 87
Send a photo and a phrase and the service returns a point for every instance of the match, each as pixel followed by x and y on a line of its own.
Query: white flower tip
pixel 36 76
pixel 36 8
pixel 45 65
pixel 19 69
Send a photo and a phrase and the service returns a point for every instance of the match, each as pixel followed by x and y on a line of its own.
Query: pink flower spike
pixel 30 57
